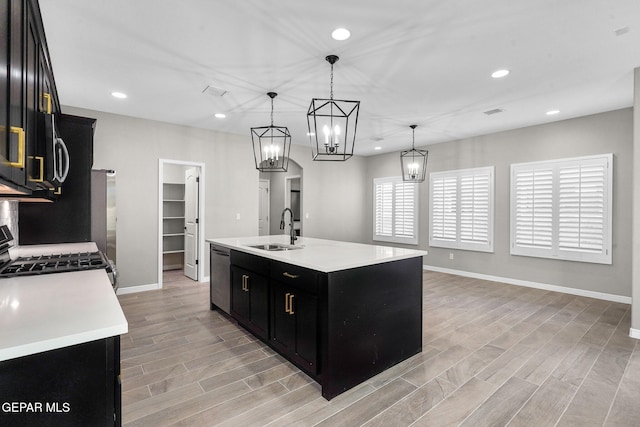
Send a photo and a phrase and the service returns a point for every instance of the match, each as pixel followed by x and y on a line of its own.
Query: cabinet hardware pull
pixel 286 302
pixel 47 96
pixel 290 276
pixel 245 283
pixel 41 160
pixel 21 141
pixel 291 303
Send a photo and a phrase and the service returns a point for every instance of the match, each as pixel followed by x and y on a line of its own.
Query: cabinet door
pixel 283 326
pixel 259 303
pixel 13 124
pixel 240 300
pixel 294 325
pixel 250 300
pixel 31 102
pixel 5 31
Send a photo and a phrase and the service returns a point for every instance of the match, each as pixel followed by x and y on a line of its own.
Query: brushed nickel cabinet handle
pixel 291 303
pixel 290 276
pixel 286 302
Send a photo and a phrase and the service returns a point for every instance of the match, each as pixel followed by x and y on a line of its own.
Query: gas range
pixel 56 263
pixel 28 263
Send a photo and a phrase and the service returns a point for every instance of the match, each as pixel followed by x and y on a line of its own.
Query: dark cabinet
pixel 77 385
pixel 294 325
pixel 278 302
pixel 12 111
pixel 250 300
pixel 26 80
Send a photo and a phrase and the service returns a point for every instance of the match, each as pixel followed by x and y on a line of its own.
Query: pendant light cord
pixel 271 112
pixel 413 144
pixel 332 82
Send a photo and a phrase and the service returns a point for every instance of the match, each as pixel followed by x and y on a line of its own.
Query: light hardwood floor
pixel 493 355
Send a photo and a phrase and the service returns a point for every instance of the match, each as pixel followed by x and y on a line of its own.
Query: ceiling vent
pixel 621 31
pixel 494 111
pixel 214 91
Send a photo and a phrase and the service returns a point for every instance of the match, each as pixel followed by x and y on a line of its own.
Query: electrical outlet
pixel 450 255
pixel 237 216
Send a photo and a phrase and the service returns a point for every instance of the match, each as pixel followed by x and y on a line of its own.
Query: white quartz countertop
pixel 319 254
pixel 49 311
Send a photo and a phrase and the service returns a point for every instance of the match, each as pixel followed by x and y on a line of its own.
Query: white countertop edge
pixel 66 341
pixel 290 257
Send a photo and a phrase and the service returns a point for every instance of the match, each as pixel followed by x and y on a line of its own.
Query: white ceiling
pixel 426 62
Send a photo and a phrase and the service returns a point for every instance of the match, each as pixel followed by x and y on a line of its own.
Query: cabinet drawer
pixel 250 262
pixel 300 277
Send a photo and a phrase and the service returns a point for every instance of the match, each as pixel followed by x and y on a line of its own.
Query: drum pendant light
pixel 414 162
pixel 332 125
pixel 271 145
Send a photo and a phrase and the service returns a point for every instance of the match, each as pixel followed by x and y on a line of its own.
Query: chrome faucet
pixel 293 232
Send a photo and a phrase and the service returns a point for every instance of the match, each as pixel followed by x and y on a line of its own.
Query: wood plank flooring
pixel 493 355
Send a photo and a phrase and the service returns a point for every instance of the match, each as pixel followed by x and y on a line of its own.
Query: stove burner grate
pixel 56 263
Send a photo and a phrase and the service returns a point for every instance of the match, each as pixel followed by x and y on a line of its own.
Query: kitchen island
pixel 60 347
pixel 342 312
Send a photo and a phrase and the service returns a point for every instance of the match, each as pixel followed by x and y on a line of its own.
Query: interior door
pixel 191 181
pixel 263 208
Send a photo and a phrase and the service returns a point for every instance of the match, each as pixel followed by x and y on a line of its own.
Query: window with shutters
pixel 562 209
pixel 461 209
pixel 395 210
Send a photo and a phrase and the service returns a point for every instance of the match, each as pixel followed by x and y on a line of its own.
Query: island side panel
pixel 374 321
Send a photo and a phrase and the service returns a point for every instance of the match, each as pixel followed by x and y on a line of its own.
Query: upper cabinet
pixel 31 159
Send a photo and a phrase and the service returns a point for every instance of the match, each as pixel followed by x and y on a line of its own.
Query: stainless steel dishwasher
pixel 220 274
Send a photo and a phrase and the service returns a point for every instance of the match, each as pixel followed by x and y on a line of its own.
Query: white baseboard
pixel 139 288
pixel 634 333
pixel 528 284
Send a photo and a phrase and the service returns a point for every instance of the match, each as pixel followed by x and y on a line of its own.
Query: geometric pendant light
pixel 332 125
pixel 414 162
pixel 271 145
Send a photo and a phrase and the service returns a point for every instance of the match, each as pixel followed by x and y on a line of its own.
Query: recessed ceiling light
pixel 377 148
pixel 220 115
pixel 119 95
pixel 341 34
pixel 500 73
pixel 552 112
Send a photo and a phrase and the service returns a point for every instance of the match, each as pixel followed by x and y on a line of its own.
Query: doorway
pixel 285 190
pixel 263 208
pixel 180 207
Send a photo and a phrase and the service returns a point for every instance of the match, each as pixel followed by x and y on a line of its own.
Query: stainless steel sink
pixel 275 247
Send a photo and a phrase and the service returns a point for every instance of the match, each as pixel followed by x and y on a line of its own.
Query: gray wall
pixel 334 192
pixel 602 133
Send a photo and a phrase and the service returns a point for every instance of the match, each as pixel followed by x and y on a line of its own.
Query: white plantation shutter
pixel 461 209
pixel 581 208
pixel 395 210
pixel 533 208
pixel 384 209
pixel 443 207
pixel 475 209
pixel 562 209
pixel 404 212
